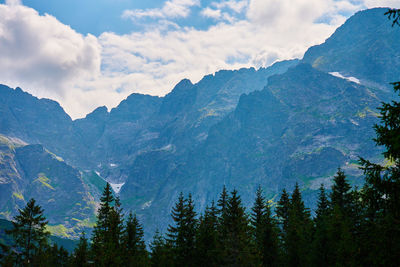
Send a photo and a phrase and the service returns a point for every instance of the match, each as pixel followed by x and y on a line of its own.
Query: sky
pixel 90 53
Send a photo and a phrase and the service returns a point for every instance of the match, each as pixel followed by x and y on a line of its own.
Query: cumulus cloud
pixel 50 59
pixel 13 2
pixel 236 6
pixel 211 13
pixel 381 3
pixel 171 9
pixel 40 53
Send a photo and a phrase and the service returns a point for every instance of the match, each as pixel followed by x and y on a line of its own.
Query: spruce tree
pixel 381 193
pixel 160 252
pixel 320 249
pixel 53 256
pixel 264 232
pixel 299 231
pixel 182 234
pixel 116 229
pixel 106 231
pixel 207 252
pixel 237 245
pixel 80 256
pixel 342 228
pixel 134 244
pixel 222 205
pixel 282 211
pixel 341 195
pixel 191 225
pixel 29 233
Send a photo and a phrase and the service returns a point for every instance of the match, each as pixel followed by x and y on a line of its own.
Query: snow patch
pixel 116 187
pixel 354 122
pixel 168 148
pixel 147 204
pixel 350 79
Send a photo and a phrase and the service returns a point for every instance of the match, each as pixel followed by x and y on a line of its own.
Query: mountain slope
pixel 274 126
pixel 30 171
pixel 365 47
pixel 301 127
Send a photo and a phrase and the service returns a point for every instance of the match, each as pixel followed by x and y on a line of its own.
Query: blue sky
pixel 98 16
pixel 89 53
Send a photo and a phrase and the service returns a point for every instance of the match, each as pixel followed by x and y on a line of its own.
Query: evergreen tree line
pixel 351 226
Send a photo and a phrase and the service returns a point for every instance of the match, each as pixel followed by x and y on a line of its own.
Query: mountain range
pixel 295 121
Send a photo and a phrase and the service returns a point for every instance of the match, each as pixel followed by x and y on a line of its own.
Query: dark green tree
pixel 264 231
pixel 52 256
pixel 282 211
pixel 381 192
pixel 341 195
pixel 342 226
pixel 222 206
pixel 207 252
pixel 80 256
pixel 29 233
pixel 299 232
pixel 134 245
pixel 320 249
pixel 394 14
pixel 106 247
pixel 114 245
pixel 160 252
pixel 237 246
pixel 181 235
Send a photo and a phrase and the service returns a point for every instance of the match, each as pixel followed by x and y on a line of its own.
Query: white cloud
pixel 13 2
pixel 382 3
pixel 211 13
pixel 237 6
pixel 171 9
pixel 40 53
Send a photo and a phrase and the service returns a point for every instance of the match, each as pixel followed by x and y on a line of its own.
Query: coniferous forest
pixel 350 226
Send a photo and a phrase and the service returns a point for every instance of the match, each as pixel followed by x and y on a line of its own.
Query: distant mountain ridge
pixel 293 121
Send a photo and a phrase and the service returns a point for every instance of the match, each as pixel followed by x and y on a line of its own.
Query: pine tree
pixel 282 211
pixel 134 245
pixel 53 256
pixel 342 247
pixel 222 205
pixel 207 252
pixel 116 229
pixel 160 251
pixel 191 224
pixel 320 249
pixel 181 235
pixel 264 232
pixel 80 257
pixel 175 235
pixel 298 237
pixel 382 188
pixel 341 194
pixel 106 233
pixel 29 232
pixel 237 245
